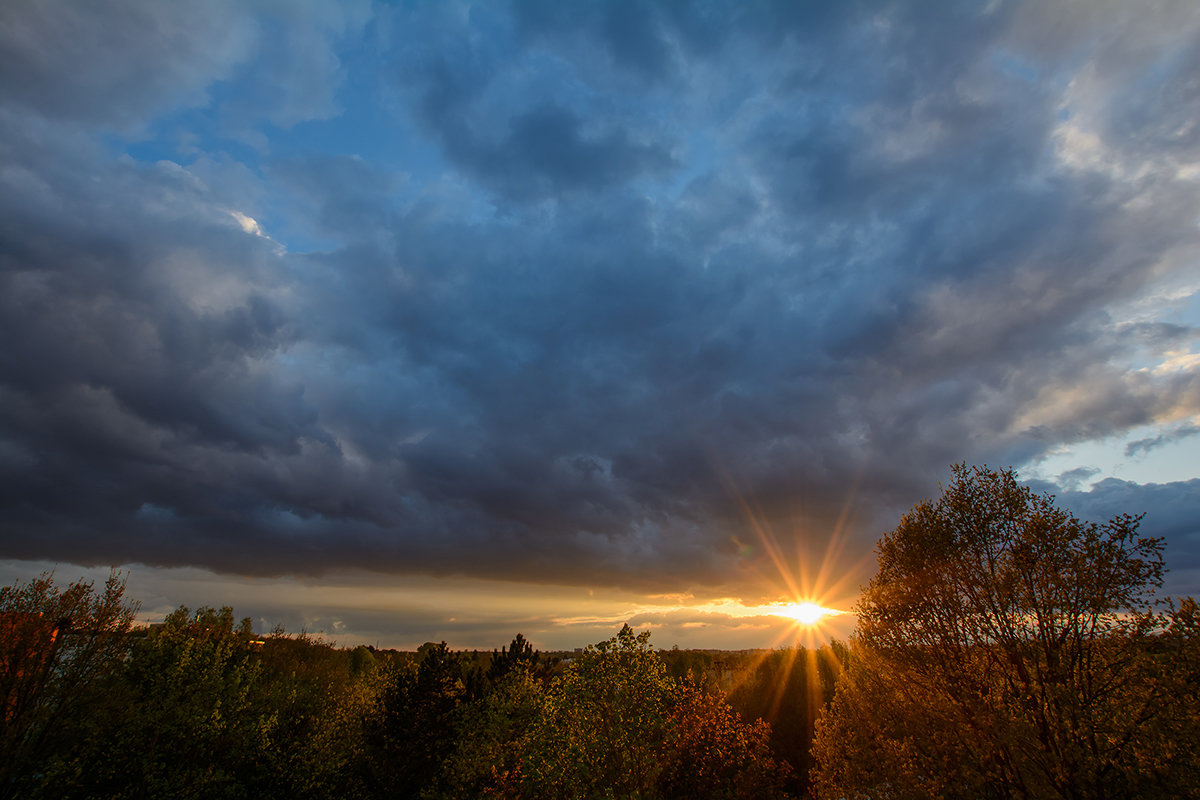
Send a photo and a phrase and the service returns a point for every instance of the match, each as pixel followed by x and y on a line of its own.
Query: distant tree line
pixel 201 707
pixel 1005 649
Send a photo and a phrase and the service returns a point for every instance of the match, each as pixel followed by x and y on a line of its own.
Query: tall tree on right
pixel 1007 649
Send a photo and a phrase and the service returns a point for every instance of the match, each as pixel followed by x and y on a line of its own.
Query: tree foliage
pixel 617 725
pixel 1008 649
pixel 601 723
pixel 411 731
pixel 713 753
pixel 58 649
pixel 195 723
pixel 493 738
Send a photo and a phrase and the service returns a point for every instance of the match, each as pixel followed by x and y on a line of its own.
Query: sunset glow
pixel 805 613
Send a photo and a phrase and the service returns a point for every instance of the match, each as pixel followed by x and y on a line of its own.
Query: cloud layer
pixel 579 297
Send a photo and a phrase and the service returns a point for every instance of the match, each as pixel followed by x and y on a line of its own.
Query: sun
pixel 804 613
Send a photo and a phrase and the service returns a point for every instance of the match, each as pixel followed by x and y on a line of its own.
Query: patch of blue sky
pixel 182 137
pixel 144 151
pixel 1159 452
pixel 699 158
pixel 1173 456
pixel 296 241
pixel 366 128
pixel 1184 307
pixel 1012 65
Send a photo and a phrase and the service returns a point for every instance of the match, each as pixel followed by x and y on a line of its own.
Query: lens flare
pixel 804 613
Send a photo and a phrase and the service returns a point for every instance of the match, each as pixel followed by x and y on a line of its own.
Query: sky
pixel 451 320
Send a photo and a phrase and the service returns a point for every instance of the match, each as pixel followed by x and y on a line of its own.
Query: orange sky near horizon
pixel 352 608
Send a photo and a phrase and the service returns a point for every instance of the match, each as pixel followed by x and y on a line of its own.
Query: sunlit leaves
pixel 1005 644
pixel 617 725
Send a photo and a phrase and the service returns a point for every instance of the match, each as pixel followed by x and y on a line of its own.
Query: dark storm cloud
pixel 674 268
pixel 110 62
pixel 486 126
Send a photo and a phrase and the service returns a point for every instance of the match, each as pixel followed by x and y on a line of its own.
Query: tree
pixel 713 753
pixel 317 696
pixel 518 655
pixel 616 725
pixel 1007 649
pixel 493 735
pixel 195 722
pixel 410 734
pixel 602 721
pixel 58 649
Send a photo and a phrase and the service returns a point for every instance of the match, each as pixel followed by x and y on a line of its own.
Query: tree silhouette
pixel 1008 649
